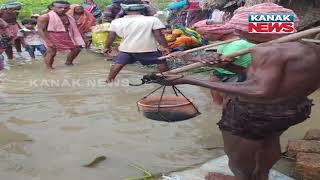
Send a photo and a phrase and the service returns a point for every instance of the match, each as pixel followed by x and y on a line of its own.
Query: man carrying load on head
pixel 273 98
pixel 140 35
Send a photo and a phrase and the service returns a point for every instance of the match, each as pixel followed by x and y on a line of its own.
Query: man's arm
pixel 111 38
pixel 160 38
pixel 43 22
pixel 263 84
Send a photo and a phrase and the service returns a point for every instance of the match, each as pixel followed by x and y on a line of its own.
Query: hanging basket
pixel 167 108
pixel 171 108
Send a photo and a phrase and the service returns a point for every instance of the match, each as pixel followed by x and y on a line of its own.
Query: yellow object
pixel 99 38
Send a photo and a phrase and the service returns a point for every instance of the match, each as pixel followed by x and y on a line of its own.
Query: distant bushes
pixel 36 6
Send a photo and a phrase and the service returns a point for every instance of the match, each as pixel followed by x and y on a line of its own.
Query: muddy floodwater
pixel 53 123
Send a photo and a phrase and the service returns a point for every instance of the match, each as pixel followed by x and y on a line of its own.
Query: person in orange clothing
pixel 84 19
pixel 180 38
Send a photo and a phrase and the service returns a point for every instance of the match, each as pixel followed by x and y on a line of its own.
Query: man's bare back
pixel 283 71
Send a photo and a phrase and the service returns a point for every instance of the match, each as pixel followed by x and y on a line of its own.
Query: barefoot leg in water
pixel 49 58
pixel 242 155
pixel 17 45
pixel 114 71
pixel 268 155
pixel 9 53
pixel 72 55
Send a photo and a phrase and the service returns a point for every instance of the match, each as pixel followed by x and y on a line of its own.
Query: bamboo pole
pixel 202 47
pixel 288 38
pixel 311 40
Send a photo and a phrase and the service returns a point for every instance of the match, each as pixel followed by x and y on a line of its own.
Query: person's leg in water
pixel 249 159
pixel 114 71
pixel 72 55
pixel 31 50
pixel 269 154
pixel 17 45
pixel 49 57
pixel 119 61
pixel 2 64
pixel 9 53
pixel 42 49
pixel 242 157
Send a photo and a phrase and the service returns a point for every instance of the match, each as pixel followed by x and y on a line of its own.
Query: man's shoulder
pixel 282 52
pixel 44 17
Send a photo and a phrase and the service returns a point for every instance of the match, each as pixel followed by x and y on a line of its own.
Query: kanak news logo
pixel 271 23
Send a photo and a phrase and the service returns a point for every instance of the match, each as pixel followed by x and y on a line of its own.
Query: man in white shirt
pixel 140 35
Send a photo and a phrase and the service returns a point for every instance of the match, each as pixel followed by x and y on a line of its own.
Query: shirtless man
pixel 60 32
pixel 272 99
pixel 10 15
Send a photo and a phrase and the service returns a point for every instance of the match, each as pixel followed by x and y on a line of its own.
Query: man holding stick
pixel 271 100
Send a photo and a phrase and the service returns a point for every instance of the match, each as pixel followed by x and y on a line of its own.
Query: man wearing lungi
pixel 60 32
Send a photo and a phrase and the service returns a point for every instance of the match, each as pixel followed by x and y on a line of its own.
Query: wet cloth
pixel 13 30
pixel 144 58
pixel 56 27
pixel 61 40
pixel 258 121
pixel 86 20
pixel 242 61
pixel 240 18
pixel 136 32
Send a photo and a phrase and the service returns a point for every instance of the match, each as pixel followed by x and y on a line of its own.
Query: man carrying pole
pixel 272 99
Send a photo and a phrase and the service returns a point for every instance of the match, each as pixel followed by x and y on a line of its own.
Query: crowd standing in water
pixel 263 93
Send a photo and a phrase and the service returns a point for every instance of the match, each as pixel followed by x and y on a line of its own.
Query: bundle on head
pixel 240 19
pixel 212 32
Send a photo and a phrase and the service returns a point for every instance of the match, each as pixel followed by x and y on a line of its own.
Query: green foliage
pixel 36 6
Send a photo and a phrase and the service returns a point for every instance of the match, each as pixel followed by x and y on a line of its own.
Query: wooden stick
pixel 288 38
pixel 203 47
pixel 311 40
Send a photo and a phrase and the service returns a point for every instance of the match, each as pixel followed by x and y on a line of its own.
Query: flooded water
pixel 51 124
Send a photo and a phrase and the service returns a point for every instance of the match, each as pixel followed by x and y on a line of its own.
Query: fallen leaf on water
pixel 147 174
pixel 96 161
